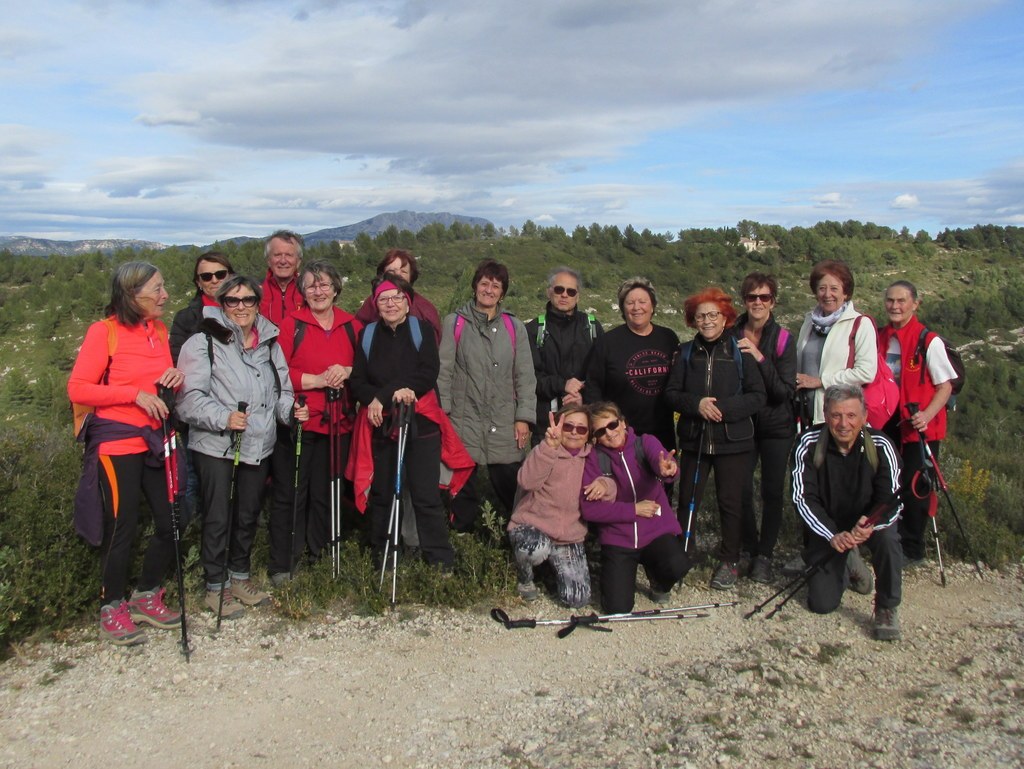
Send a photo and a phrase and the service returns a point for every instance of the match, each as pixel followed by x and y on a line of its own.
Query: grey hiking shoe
pixel 528 591
pixel 761 570
pixel 886 624
pixel 794 567
pixel 246 592
pixel 862 579
pixel 725 576
pixel 232 609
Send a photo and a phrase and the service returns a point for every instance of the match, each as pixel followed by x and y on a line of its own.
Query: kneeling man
pixel 843 471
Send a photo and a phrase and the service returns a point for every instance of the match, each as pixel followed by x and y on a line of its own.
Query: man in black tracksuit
pixel 838 480
pixel 560 340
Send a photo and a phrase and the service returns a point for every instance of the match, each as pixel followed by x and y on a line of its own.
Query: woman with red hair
pixel 717 391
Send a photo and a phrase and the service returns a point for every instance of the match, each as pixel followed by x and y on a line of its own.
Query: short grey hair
pixel 844 392
pixel 563 270
pixel 286 235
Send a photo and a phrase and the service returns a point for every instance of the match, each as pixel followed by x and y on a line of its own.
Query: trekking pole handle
pixel 499 615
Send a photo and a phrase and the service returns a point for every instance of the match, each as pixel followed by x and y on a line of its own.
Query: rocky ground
pixel 429 688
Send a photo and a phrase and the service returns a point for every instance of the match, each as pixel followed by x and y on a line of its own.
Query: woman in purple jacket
pixel 638 527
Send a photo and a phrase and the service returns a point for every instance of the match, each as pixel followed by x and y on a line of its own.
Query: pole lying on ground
pixel 693 493
pixel 333 396
pixel 295 501
pixel 174 498
pixel 403 414
pixel 936 477
pixel 595 621
pixel 236 445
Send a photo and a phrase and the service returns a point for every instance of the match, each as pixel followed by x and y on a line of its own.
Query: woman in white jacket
pixel 234 359
pixel 823 347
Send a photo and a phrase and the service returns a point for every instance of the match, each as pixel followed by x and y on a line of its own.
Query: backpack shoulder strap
pixel 542 322
pixel 460 322
pixel 300 332
pixel 820 448
pixel 416 331
pixel 781 341
pixel 368 333
pixel 641 453
pixel 737 358
pixel 606 464
pixel 853 338
pixel 511 328
pixel 870 449
pixel 592 320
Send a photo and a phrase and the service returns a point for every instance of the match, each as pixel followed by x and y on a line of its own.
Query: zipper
pixel 707 392
pixel 636 534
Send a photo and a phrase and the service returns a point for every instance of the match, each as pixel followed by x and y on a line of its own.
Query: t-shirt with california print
pixel 631 370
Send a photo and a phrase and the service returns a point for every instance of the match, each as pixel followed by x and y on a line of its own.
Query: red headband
pixel 386 285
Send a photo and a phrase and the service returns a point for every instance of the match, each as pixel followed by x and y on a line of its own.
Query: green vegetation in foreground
pixel 971 282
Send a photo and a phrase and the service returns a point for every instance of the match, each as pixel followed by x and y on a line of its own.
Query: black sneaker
pixel 886 624
pixel 761 570
pixel 725 576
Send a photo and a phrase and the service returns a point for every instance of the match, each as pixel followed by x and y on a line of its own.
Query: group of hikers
pixel 271 385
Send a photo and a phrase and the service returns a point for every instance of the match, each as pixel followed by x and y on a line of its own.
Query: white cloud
pixel 905 200
pixel 830 200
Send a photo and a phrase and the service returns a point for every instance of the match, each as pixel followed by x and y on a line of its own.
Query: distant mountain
pixel 403 220
pixel 22 246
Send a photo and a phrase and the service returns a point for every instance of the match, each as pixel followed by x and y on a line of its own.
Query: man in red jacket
pixel 281 295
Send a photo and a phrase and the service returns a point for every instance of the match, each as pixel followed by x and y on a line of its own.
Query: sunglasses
pixel 765 298
pixel 578 429
pixel 206 277
pixel 563 290
pixel 599 432
pixel 234 301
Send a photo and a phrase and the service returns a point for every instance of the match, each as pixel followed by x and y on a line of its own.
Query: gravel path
pixel 431 688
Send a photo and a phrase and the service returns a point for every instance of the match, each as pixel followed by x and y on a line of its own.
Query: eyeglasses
pixel 234 301
pixel 394 299
pixel 206 277
pixel 578 429
pixel 565 290
pixel 712 316
pixel 600 431
pixel 765 298
pixel 323 288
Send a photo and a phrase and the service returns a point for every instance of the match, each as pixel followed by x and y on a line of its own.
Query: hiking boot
pixel 148 606
pixel 886 624
pixel 280 579
pixel 117 627
pixel 725 576
pixel 910 562
pixel 232 609
pixel 660 598
pixel 528 591
pixel 862 580
pixel 794 567
pixel 246 592
pixel 761 570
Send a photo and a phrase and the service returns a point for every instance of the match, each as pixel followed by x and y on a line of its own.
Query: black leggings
pixel 663 559
pixel 124 480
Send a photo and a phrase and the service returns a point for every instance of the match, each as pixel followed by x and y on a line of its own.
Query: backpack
pixel 414 329
pixel 605 461
pixel 881 394
pixel 300 332
pixel 79 411
pixel 955 359
pixel 542 331
pixel 460 322
pixel 687 351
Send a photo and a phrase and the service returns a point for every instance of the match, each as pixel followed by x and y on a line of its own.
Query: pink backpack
pixel 882 394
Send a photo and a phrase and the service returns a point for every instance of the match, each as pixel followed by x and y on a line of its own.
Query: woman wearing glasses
pixel 546 524
pixel 318 341
pixel 717 391
pixel 236 384
pixel 774 350
pixel 211 269
pixel 636 527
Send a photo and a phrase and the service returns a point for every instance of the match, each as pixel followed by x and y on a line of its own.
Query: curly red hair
pixel 714 295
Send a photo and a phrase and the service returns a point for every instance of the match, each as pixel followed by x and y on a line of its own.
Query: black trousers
pixel 240 515
pixel 663 559
pixel 773 454
pixel 466 504
pixel 825 589
pixel 730 471
pixel 124 480
pixel 914 519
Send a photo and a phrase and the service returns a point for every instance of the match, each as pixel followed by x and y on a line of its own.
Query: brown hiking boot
pixel 232 609
pixel 245 591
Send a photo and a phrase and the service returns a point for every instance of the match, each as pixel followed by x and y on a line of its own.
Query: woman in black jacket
pixel 717 391
pixel 774 350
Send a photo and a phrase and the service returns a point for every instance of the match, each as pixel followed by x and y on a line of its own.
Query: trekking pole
pixel 236 445
pixel 174 498
pixel 404 413
pixel 594 621
pixel 295 503
pixel 926 478
pixel 334 451
pixel 693 493
pixel 934 463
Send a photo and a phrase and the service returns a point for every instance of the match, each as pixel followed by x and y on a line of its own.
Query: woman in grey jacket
pixel 236 382
pixel 488 387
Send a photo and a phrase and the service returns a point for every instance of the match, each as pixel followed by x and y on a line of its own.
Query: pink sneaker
pixel 117 627
pixel 149 606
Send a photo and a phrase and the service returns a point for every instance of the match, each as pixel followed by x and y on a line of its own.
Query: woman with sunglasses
pixel 546 523
pixel 774 349
pixel 233 360
pixel 637 526
pixel 717 391
pixel 210 270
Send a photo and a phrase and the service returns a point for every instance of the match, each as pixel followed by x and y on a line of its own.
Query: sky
pixel 187 121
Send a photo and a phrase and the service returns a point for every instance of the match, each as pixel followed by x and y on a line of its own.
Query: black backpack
pixel 955 359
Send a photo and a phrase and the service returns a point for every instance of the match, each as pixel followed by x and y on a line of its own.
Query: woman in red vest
pixel 925 380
